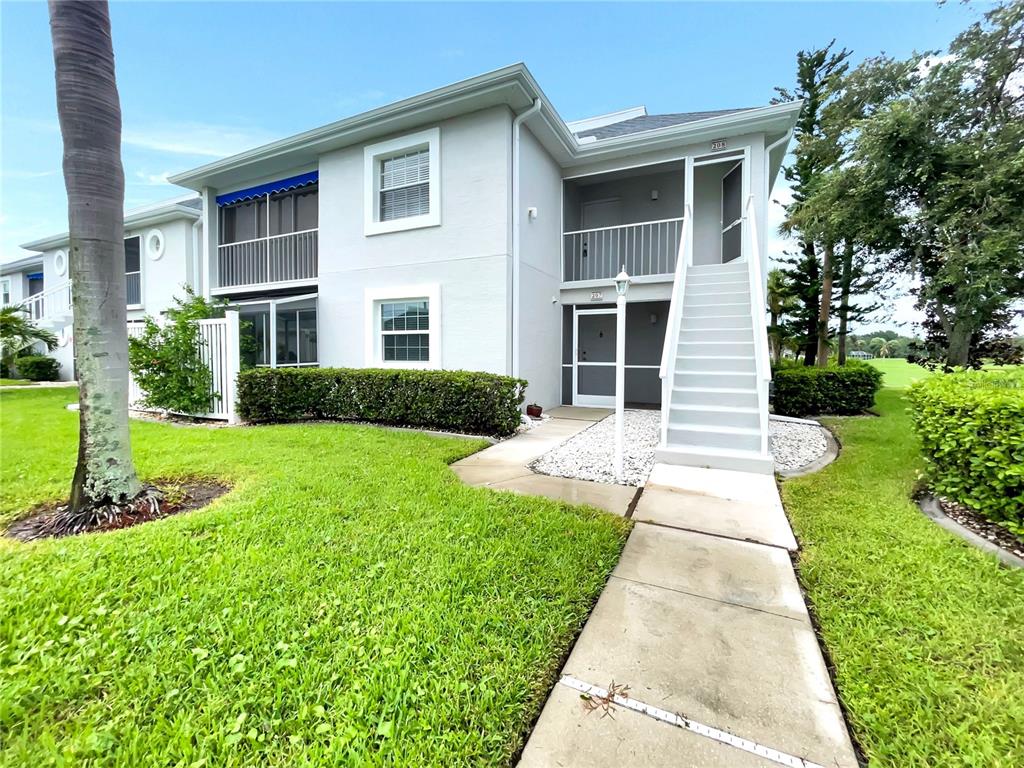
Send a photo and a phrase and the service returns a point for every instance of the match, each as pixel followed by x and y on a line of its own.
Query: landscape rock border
pixel 932 509
pixel 832 449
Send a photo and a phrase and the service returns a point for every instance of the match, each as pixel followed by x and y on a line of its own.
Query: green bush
pixel 843 390
pixel 457 401
pixel 971 425
pixel 38 368
pixel 166 360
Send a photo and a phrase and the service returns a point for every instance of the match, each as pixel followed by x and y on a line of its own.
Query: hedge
pixel 802 390
pixel 454 401
pixel 971 425
pixel 38 368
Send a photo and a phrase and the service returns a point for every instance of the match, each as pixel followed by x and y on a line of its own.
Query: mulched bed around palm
pixel 984 527
pixel 180 496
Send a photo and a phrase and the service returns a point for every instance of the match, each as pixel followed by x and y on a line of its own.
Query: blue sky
pixel 203 80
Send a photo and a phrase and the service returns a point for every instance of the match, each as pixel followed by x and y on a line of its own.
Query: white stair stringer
pixel 713 414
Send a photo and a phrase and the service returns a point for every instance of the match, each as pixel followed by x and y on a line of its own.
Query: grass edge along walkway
pixel 926 633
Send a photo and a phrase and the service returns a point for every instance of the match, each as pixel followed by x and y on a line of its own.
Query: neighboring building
pixel 858 354
pixel 471 227
pixel 161 245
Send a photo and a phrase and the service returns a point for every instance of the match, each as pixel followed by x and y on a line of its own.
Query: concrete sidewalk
pixel 702 618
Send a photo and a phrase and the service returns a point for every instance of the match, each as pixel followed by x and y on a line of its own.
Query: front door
pixel 732 214
pixel 594 361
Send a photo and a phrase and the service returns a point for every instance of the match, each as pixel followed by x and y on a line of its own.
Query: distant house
pixel 858 354
pixel 472 227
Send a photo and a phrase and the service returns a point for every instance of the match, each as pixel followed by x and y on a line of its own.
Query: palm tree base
pixel 106 516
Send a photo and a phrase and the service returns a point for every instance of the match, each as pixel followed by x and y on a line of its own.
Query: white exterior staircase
pixel 715 368
pixel 50 308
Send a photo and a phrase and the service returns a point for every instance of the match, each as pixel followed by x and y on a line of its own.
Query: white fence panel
pixel 220 353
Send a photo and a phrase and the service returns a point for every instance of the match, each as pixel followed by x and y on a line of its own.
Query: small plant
pixel 38 368
pixel 166 360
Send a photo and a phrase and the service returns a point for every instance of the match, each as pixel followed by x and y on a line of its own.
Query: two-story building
pixel 471 227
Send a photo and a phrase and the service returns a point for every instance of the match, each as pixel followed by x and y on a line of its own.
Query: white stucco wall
pixel 466 256
pixel 164 279
pixel 540 272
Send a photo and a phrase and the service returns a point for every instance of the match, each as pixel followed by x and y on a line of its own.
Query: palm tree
pixel 781 301
pixel 18 334
pixel 105 484
pixel 887 348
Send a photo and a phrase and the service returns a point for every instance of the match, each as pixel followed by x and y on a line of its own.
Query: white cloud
pixel 192 138
pixel 151 179
pixel 11 174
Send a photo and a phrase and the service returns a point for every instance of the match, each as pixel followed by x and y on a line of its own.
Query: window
pixel 294 343
pixel 402 186
pixel 5 291
pixel 35 283
pixel 281 213
pixel 133 270
pixel 405 331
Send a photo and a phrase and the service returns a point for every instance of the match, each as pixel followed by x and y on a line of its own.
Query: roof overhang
pixel 21 265
pixel 149 216
pixel 513 86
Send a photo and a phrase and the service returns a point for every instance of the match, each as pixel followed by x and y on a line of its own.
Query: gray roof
pixel 193 202
pixel 653 122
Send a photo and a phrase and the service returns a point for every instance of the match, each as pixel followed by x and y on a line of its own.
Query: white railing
pixel 757 312
pixel 274 259
pixel 220 352
pixel 133 289
pixel 55 302
pixel 675 314
pixel 645 248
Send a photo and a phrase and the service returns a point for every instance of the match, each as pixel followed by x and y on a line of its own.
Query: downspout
pixel 767 167
pixel 196 263
pixel 516 123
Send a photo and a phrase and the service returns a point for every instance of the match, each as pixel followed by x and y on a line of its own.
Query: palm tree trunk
pixel 845 283
pixel 90 124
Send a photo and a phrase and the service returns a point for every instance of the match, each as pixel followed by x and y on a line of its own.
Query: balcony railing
pixel 49 304
pixel 133 289
pixel 274 259
pixel 645 248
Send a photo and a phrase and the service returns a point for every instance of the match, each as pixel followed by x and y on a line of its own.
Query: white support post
pixel 232 363
pixel 621 288
pixel 273 334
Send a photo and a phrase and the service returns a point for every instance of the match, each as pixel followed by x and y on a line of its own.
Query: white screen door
pixel 732 213
pixel 594 360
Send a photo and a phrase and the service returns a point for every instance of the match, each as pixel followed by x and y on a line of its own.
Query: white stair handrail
pixel 49 303
pixel 757 312
pixel 675 314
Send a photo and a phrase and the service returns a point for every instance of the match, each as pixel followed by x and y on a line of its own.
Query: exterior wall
pixel 164 279
pixel 19 284
pixel 540 271
pixel 635 196
pixel 466 256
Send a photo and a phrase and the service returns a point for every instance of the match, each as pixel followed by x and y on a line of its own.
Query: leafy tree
pixel 781 302
pixel 818 83
pixel 19 334
pixel 105 484
pixel 941 145
pixel 166 359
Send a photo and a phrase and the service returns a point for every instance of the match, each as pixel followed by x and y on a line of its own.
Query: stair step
pixel 715 379
pixel 734 286
pixel 732 438
pixel 713 269
pixel 715 299
pixel 709 335
pixel 691 310
pixel 715 458
pixel 722 363
pixel 716 348
pixel 691 322
pixel 715 396
pixel 713 416
pixel 704 278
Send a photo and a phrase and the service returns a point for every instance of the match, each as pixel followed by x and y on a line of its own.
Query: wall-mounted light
pixel 531 213
pixel 654 194
pixel 654 319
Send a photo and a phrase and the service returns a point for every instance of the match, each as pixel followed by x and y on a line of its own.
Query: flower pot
pixel 534 411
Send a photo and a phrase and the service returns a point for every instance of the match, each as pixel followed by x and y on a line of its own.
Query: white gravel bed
pixel 795 445
pixel 588 455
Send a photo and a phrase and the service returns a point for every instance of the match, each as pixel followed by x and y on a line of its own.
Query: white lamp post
pixel 621 289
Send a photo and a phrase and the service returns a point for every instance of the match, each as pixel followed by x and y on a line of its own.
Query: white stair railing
pixel 675 314
pixel 48 304
pixel 757 313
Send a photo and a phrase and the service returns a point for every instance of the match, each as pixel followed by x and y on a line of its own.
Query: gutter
pixel 516 125
pixel 198 283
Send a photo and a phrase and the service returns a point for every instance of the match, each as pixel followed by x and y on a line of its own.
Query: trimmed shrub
pixel 38 368
pixel 971 425
pixel 805 390
pixel 454 401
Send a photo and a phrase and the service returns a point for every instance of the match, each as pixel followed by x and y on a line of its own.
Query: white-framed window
pixel 5 291
pixel 403 327
pixel 401 181
pixel 133 270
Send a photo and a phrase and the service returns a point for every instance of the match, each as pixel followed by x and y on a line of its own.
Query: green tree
pixel 781 302
pixel 105 483
pixel 941 144
pixel 818 83
pixel 19 334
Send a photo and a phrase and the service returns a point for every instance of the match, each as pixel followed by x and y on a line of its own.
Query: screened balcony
pixel 629 218
pixel 268 234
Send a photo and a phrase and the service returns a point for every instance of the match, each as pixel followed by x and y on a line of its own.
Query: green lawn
pixel 926 632
pixel 14 382
pixel 898 372
pixel 350 602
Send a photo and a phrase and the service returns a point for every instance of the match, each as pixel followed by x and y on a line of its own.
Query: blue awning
pixel 34 275
pixel 282 185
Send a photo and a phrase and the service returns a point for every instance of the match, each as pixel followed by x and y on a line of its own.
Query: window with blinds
pixel 405 185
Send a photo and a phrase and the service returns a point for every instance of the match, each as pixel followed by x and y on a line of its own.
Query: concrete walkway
pixel 702 620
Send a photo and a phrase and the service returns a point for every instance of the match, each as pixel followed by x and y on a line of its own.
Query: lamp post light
pixel 621 289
